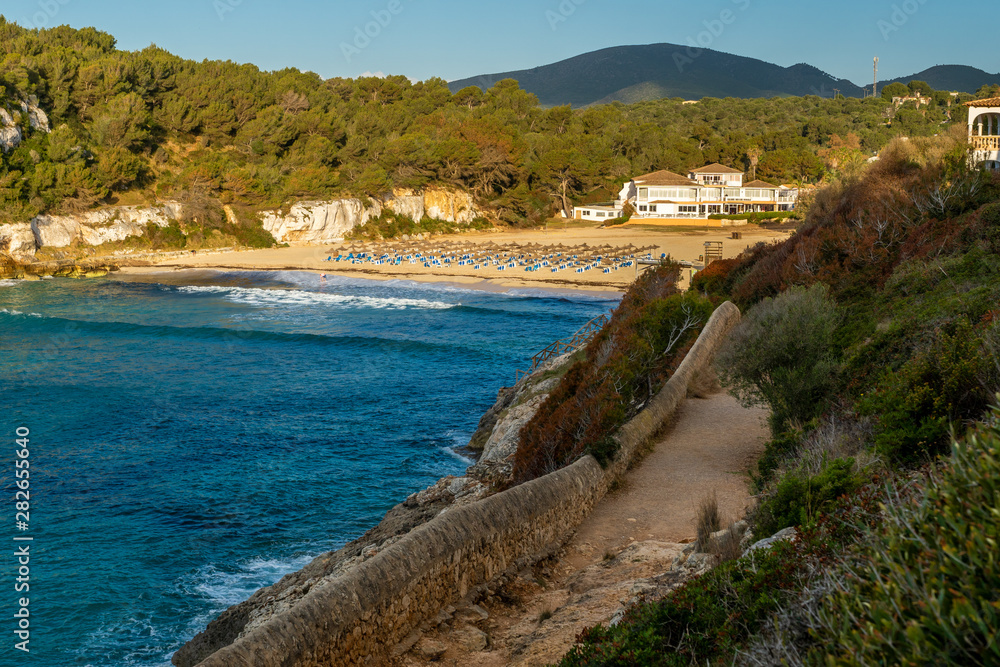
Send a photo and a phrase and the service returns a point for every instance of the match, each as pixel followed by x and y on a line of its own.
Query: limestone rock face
pixel 451 205
pixel 37 119
pixel 319 222
pixel 10 132
pixel 18 241
pixel 410 205
pixel 102 226
pixel 329 221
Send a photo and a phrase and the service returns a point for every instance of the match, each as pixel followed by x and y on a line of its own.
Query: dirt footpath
pixel 633 534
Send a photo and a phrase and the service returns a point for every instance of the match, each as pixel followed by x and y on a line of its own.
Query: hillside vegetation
pixel 135 127
pixel 873 336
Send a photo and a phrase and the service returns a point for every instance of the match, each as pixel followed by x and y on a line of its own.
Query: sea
pixel 194 436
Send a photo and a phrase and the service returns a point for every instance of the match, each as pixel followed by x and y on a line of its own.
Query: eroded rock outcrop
pixel 18 241
pixel 436 203
pixel 319 221
pixel 102 226
pixel 329 221
pixel 499 430
pixel 11 135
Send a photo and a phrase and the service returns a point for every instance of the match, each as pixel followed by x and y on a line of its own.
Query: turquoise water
pixel 196 436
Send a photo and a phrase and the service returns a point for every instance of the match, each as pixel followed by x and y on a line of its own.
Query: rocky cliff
pixel 22 240
pixel 11 122
pixel 304 222
pixel 319 222
pixel 328 221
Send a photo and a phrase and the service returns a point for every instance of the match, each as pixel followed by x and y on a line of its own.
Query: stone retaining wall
pixel 362 615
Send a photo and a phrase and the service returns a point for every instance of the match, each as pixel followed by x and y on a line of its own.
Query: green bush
pixel 776 451
pixel 925 592
pixel 703 620
pixel 937 388
pixel 781 356
pixel 755 217
pixel 799 499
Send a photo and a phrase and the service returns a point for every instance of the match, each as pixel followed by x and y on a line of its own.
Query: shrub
pixel 712 280
pixel 799 498
pixel 780 355
pixel 705 619
pixel 925 590
pixel 937 388
pixel 625 365
pixel 776 451
pixel 754 217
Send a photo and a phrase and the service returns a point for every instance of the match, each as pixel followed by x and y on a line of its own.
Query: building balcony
pixel 985 143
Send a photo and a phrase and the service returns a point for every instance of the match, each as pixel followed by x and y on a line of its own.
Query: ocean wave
pixel 459 441
pixel 223 588
pixel 9 282
pixel 11 311
pixel 276 297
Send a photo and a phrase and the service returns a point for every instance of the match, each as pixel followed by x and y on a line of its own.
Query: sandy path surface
pixel 632 534
pixel 708 450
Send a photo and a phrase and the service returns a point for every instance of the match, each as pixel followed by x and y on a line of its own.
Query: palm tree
pixel 754 153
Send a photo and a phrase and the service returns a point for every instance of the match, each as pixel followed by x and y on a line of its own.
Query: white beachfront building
pixel 713 189
pixel 984 131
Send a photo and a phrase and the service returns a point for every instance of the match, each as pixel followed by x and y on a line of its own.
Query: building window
pixel 652 208
pixel 687 209
pixel 643 208
pixel 643 193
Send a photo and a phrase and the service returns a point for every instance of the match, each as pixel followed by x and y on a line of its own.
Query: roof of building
pixel 988 102
pixel 664 177
pixel 758 184
pixel 716 168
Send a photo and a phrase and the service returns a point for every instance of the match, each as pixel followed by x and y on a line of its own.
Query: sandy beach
pixel 686 244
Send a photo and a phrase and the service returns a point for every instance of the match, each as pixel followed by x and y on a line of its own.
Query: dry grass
pixel 708 520
pixel 704 383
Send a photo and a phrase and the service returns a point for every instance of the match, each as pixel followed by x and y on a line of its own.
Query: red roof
pixel 988 102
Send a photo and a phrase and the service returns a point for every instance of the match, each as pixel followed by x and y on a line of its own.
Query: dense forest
pixel 136 127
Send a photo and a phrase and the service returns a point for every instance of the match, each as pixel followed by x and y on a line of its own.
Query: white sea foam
pixel 459 439
pixel 225 588
pixel 11 311
pixel 276 297
pixel 9 283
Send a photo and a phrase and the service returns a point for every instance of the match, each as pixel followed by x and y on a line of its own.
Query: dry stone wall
pixel 357 618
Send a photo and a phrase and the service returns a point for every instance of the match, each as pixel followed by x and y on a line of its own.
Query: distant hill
pixel 956 78
pixel 636 73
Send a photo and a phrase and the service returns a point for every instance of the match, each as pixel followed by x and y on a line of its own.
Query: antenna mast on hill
pixel 875 86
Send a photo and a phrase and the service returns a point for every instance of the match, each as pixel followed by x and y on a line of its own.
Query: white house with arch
pixel 984 131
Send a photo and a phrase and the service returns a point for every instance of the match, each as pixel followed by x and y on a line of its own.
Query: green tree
pixel 781 356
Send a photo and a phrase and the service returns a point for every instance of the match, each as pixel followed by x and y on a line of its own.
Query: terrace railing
pixel 986 143
pixel 563 346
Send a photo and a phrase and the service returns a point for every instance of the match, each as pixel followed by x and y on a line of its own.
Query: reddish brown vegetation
pixel 625 364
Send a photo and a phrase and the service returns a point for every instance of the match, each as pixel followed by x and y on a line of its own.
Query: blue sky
pixel 451 39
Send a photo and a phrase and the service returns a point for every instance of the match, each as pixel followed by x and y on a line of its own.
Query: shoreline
pixel 682 245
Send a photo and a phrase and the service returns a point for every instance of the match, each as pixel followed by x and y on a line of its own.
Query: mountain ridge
pixel 652 71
